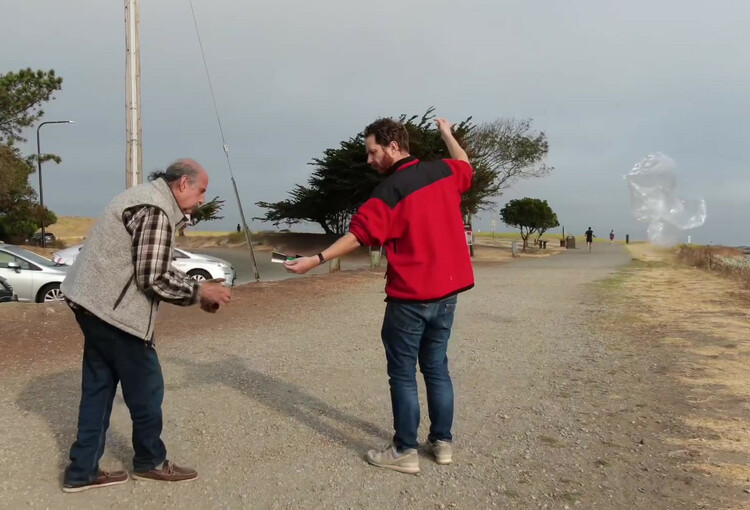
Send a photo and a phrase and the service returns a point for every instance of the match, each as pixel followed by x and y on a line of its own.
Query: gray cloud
pixel 608 83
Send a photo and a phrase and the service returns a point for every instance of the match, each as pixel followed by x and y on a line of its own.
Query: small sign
pixel 469 234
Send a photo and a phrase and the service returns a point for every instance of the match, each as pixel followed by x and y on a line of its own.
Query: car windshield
pixel 30 256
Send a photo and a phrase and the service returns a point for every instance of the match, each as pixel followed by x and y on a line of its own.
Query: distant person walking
pixel 611 237
pixel 238 228
pixel 589 238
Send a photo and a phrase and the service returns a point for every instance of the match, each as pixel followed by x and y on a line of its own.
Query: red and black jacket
pixel 415 213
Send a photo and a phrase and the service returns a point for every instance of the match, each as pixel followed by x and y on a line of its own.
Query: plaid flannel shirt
pixel 152 247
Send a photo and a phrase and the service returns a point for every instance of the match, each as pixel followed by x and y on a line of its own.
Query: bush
pixel 237 237
pixel 729 262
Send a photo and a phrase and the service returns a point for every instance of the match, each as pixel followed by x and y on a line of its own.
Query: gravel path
pixel 276 401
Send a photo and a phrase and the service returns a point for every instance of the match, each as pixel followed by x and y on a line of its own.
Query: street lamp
pixel 39 166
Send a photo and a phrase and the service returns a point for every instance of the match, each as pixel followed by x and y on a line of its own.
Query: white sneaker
pixel 405 462
pixel 441 450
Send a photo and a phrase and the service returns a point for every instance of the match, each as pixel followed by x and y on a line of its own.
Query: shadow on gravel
pixel 284 397
pixel 55 397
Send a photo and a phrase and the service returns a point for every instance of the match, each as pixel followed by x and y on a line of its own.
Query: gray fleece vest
pixel 101 279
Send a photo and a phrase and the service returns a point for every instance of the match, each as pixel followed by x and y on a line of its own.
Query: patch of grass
pixel 550 238
pixel 237 237
pixel 601 463
pixel 499 235
pixel 570 497
pixel 616 280
pixel 71 227
pixel 648 264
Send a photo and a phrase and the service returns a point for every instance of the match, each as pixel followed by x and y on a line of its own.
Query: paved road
pixel 603 256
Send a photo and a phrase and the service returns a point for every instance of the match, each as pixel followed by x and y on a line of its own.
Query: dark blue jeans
pixel 419 332
pixel 111 356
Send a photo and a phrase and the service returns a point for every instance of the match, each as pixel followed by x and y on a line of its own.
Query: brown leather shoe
pixel 103 479
pixel 169 472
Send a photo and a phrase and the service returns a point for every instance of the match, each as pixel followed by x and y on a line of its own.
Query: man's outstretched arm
pixel 341 247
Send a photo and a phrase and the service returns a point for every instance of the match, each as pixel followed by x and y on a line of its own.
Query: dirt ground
pixel 582 381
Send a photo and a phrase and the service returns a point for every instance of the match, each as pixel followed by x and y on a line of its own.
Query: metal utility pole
pixel 245 228
pixel 133 151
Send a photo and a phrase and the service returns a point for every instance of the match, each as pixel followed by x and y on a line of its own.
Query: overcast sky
pixel 608 82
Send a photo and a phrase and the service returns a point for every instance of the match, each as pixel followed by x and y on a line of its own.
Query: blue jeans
pixel 111 356
pixel 419 332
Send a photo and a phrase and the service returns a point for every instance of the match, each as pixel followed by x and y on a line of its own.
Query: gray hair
pixel 175 171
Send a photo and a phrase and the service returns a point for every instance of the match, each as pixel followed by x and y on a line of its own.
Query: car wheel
pixel 199 274
pixel 50 293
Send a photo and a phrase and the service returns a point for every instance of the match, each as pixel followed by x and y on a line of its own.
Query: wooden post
pixel 133 151
pixel 375 256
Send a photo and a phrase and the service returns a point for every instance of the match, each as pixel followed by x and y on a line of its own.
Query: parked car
pixel 67 256
pixel 36 239
pixel 203 267
pixel 6 291
pixel 33 277
pixel 199 266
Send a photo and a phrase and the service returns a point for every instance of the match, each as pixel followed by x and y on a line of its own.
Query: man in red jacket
pixel 416 215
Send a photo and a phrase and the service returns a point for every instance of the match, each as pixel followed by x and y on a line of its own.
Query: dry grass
pixel 703 314
pixel 71 228
pixel 208 233
pixel 646 252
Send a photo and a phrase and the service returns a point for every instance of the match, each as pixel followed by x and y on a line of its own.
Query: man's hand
pixel 444 127
pixel 213 295
pixel 454 149
pixel 302 265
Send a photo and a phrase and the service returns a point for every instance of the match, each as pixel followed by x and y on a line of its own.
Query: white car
pixel 201 267
pixel 33 277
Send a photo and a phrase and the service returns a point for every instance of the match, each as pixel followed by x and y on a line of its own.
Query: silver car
pixel 33 277
pixel 201 267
